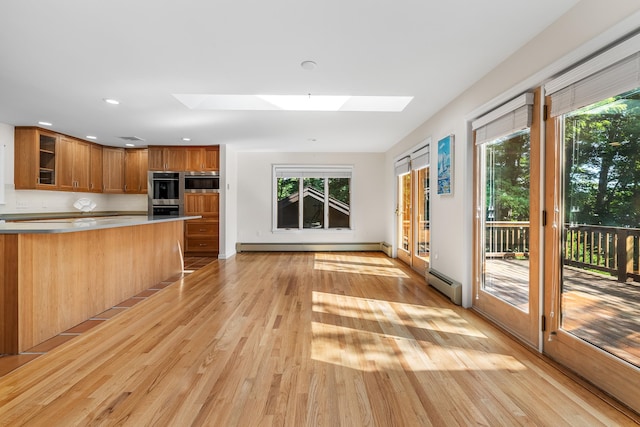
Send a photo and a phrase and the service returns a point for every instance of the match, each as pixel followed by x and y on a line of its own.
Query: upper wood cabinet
pixel 167 158
pixel 135 170
pixel 113 169
pixel 95 177
pixel 74 162
pixel 184 158
pixel 203 158
pixel 47 160
pixel 35 159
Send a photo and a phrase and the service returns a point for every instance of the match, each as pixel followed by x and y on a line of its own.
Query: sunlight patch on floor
pixel 371 265
pixel 370 351
pixel 366 309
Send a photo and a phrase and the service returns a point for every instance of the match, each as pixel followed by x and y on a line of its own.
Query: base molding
pixel 313 247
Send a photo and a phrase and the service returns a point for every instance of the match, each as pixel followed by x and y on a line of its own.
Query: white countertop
pixel 48 226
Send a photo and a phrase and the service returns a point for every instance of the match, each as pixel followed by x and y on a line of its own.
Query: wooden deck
pixel 298 339
pixel 596 308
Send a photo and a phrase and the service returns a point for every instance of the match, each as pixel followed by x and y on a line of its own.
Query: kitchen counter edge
pixel 73 225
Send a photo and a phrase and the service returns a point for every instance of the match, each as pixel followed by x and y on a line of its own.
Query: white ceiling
pixel 60 59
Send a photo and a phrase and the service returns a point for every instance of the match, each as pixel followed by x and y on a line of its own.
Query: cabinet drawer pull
pixel 203 244
pixel 203 229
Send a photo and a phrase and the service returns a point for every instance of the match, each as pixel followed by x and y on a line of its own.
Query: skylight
pixel 294 102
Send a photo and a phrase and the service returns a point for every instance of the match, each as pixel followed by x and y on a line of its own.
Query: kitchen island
pixel 56 273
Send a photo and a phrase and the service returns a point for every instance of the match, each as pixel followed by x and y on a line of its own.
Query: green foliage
pixel 508 173
pixel 287 187
pixel 339 189
pixel 602 163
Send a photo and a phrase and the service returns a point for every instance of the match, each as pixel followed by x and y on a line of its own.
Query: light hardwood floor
pixel 297 339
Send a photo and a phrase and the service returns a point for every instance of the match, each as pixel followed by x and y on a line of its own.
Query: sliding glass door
pixel 413 224
pixel 507 175
pixel 593 271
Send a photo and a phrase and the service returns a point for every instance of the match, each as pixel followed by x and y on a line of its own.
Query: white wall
pixel 588 27
pixel 255 197
pixel 38 201
pixel 228 201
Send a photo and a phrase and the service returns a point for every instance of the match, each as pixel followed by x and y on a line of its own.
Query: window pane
pixel 339 202
pixel 506 219
pixel 404 205
pixel 422 249
pixel 601 238
pixel 288 202
pixel 313 203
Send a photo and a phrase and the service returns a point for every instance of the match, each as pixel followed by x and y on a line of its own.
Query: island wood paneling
pixel 63 279
pixel 8 293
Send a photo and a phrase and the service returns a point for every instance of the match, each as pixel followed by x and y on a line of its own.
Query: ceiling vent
pixel 131 138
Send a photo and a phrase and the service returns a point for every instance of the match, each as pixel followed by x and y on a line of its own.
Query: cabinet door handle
pixel 203 244
pixel 203 229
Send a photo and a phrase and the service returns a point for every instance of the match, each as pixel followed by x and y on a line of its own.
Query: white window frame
pixel 311 171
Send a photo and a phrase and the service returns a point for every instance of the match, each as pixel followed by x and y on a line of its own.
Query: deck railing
pixel 614 250
pixel 506 239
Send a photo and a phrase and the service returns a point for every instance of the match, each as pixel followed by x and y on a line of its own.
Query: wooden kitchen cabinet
pixel 168 158
pixel 74 163
pixel 135 170
pixel 201 236
pixel 95 176
pixel 113 170
pixel 35 159
pixel 200 159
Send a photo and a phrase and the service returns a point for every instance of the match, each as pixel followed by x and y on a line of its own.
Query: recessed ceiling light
pixel 91 137
pixel 186 139
pixel 308 65
pixel 45 123
pixel 130 145
pixel 111 101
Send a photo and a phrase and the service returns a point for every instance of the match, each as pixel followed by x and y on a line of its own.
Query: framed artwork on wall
pixel 445 165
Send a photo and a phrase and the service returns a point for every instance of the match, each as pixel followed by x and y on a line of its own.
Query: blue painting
pixel 445 165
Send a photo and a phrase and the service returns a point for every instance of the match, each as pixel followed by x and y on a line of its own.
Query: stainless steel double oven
pixel 166 194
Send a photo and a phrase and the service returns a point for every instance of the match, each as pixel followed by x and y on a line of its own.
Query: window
pixel 325 202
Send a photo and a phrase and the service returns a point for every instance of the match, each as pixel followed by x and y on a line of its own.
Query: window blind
pixel 313 172
pixel 420 157
pixel 614 79
pixel 505 120
pixel 403 166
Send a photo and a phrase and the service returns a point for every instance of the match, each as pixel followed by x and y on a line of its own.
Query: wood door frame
pixel 403 254
pixel 525 326
pixel 612 374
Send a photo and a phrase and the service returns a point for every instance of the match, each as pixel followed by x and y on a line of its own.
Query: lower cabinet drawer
pixel 201 244
pixel 201 228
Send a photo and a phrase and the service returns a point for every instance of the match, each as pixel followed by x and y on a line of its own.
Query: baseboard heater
pixel 445 285
pixel 312 247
